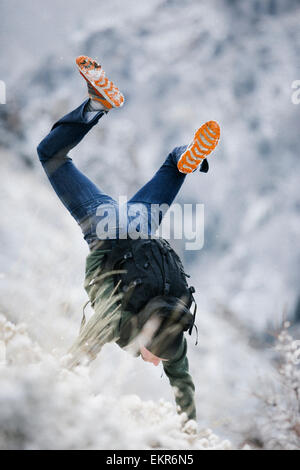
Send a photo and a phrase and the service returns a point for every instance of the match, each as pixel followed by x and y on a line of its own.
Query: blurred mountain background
pixel 179 63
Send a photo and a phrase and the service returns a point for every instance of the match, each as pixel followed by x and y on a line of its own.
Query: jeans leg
pixel 163 186
pixel 79 195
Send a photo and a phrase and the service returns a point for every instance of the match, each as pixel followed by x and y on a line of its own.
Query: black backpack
pixel 150 268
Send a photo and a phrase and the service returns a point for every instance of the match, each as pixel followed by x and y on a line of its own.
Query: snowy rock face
pixel 178 64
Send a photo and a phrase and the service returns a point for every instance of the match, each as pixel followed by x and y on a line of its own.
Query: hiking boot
pixel 205 141
pixel 100 88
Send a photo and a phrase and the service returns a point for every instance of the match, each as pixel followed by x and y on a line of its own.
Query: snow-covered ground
pixel 179 63
pixel 50 407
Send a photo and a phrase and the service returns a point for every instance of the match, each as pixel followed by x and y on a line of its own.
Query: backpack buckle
pixel 128 255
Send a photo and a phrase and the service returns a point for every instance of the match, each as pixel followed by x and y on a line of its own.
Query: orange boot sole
pixel 205 141
pixel 107 93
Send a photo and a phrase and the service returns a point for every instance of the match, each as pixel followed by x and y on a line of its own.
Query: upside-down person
pixel 140 280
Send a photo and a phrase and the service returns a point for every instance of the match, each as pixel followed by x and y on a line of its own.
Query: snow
pixel 45 406
pixel 178 64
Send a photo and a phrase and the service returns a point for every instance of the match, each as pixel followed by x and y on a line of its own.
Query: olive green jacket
pixel 177 369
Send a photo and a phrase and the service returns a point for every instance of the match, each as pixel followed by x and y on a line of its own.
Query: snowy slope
pixel 69 415
pixel 179 63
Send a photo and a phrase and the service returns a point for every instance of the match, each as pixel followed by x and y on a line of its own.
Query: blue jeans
pixel 81 197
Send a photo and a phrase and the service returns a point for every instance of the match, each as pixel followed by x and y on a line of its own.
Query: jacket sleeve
pixel 177 371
